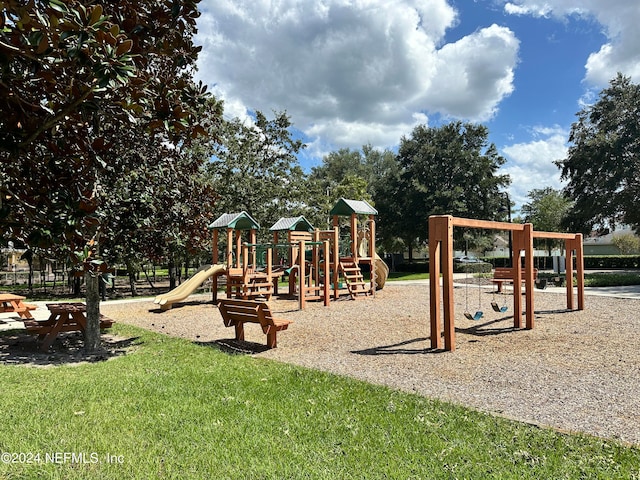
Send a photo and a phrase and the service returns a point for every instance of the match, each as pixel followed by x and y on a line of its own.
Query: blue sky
pixel 355 72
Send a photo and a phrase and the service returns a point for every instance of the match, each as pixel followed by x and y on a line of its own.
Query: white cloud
pixel 474 74
pixel 353 71
pixel 619 20
pixel 530 164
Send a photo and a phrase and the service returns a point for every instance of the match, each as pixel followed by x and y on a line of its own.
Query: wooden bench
pixel 501 275
pixel 238 312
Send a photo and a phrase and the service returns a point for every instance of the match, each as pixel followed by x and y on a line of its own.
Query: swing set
pixel 479 313
pixel 467 313
pixel 441 262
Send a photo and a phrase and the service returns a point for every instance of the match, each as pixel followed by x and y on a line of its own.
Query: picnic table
pixel 64 317
pixel 15 304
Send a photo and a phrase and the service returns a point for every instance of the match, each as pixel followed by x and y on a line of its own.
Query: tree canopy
pixel 87 89
pixel 254 168
pixel 547 211
pixel 451 169
pixel 603 160
pixel 76 78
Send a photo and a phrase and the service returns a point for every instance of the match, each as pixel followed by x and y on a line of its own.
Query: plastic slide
pixel 382 272
pixel 189 286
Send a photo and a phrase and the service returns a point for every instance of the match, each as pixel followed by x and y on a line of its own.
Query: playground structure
pixel 362 249
pixel 310 257
pixel 244 278
pixel 441 262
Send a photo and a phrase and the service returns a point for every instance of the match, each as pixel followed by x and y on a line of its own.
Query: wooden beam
pixel 554 235
pixel 474 223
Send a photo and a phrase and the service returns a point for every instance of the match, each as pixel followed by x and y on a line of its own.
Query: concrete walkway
pixel 630 291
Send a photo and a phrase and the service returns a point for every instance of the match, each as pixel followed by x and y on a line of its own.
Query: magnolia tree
pixel 77 79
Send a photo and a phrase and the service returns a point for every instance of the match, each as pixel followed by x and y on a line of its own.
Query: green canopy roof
pixel 237 221
pixel 299 224
pixel 348 207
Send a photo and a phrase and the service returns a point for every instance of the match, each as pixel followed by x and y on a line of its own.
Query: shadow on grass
pixel 235 347
pixel 20 348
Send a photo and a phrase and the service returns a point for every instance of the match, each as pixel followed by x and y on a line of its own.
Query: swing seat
pixel 498 308
pixel 477 316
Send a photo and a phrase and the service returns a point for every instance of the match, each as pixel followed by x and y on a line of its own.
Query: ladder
pixel 353 277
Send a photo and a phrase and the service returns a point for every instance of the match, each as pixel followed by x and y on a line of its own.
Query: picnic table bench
pixel 64 317
pixel 15 304
pixel 501 275
pixel 238 312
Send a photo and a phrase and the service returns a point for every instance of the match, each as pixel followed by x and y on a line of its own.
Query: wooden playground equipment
pixel 362 249
pixel 441 262
pixel 304 258
pixel 244 279
pixel 311 257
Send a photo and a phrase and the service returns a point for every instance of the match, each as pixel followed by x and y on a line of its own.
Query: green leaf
pixel 59 6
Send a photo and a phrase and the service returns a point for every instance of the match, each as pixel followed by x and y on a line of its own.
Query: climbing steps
pixel 353 277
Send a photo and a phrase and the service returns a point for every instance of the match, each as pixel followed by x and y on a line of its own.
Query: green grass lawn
pixel 174 409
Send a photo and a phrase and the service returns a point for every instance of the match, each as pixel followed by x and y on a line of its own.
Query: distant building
pixel 601 243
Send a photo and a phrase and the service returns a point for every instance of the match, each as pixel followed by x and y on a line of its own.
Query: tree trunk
pixel 30 260
pixel 410 245
pixel 146 275
pixel 92 342
pixel 132 284
pixel 172 275
pixel 75 282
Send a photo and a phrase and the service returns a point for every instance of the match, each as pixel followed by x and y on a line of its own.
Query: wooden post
pixel 435 243
pixel 372 252
pixel 315 257
pixel 571 245
pixel 528 271
pixel 580 270
pixel 301 272
pixel 354 237
pixel 327 279
pixel 230 262
pixel 568 245
pixel 516 265
pixel 441 255
pixel 253 240
pixel 238 248
pixel 229 258
pixel 336 257
pixel 268 253
pixel 245 271
pixel 214 255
